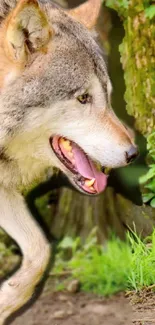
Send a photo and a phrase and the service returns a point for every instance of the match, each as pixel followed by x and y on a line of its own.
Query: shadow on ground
pixel 61 308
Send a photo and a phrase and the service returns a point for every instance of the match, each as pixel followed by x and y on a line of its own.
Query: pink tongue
pixel 87 169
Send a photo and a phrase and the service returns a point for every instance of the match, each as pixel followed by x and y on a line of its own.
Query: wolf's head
pixel 55 93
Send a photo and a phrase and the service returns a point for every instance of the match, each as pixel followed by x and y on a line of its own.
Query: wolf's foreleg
pixel 17 222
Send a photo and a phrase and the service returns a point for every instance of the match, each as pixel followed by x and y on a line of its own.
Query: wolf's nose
pixel 131 154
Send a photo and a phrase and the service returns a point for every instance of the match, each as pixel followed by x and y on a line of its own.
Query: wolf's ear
pixel 87 13
pixel 27 30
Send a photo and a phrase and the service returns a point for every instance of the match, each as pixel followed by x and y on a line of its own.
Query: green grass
pixel 106 270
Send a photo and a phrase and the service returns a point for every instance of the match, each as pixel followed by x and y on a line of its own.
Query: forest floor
pixel 74 307
pixel 62 308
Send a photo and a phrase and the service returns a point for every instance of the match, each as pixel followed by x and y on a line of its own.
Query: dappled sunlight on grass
pixel 108 269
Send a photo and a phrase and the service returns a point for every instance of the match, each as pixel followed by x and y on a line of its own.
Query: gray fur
pixel 74 59
pixel 5 7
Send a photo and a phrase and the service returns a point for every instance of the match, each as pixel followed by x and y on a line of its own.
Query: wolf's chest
pixel 32 172
pixel 23 174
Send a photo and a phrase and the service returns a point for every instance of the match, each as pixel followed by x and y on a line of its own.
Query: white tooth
pixel 92 188
pixel 90 182
pixel 66 144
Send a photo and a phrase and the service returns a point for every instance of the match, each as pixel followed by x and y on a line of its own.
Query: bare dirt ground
pixel 143 304
pixel 77 309
pixel 86 309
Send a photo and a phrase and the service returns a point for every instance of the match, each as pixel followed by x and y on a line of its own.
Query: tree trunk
pixel 76 215
pixel 138 60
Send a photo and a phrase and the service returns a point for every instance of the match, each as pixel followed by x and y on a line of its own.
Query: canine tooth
pixel 66 144
pixel 90 182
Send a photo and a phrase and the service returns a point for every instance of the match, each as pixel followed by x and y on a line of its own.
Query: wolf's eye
pixel 84 99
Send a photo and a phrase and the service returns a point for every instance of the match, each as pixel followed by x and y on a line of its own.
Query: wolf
pixel 55 111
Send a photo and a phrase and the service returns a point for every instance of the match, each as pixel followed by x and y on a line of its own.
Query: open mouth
pixel 85 173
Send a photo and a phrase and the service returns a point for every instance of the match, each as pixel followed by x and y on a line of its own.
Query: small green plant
pixel 105 270
pixel 148 180
pixel 142 271
pixel 120 5
pixel 150 11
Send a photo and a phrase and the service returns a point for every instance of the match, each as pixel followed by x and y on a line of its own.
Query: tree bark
pixel 138 60
pixel 76 215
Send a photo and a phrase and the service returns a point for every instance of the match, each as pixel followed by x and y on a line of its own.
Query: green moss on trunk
pixel 138 60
